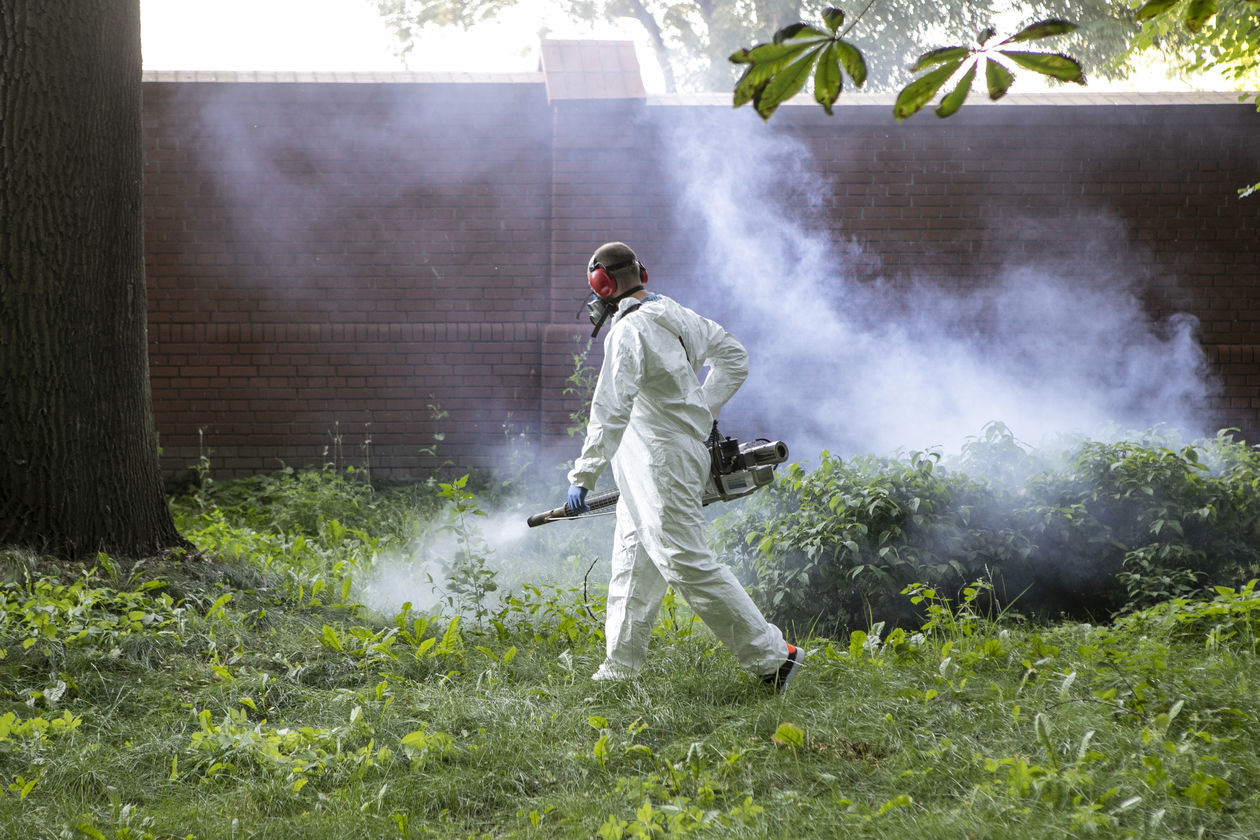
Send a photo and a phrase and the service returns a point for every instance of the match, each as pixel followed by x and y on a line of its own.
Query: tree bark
pixel 78 447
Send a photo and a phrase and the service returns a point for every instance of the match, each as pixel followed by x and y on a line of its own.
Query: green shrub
pixel 1102 528
pixel 291 501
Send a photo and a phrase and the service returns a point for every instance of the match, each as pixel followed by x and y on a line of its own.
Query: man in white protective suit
pixel 650 418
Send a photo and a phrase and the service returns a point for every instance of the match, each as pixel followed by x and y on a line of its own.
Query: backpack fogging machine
pixel 736 470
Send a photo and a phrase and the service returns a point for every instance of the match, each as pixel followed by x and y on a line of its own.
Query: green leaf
pixel 833 18
pixel 789 31
pixel 999 79
pixel 789 735
pixel 852 61
pixel 217 607
pixel 1198 13
pixel 87 829
pixel 1041 29
pixel 1048 64
pixel 767 53
pixel 951 103
pixel 419 736
pixel 799 30
pixel 764 64
pixel 827 79
pixel 785 84
pixel 328 636
pixel 903 800
pixel 600 750
pixel 1153 9
pixel 939 56
pixel 769 62
pixel 920 92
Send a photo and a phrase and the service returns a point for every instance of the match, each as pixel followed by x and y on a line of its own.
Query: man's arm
pixel 619 381
pixel 728 366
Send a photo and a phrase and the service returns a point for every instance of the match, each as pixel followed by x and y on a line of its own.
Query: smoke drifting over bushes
pixel 1057 342
pixel 420 573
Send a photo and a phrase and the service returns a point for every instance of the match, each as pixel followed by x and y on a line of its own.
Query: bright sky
pixel 322 35
pixel 264 35
pixel 327 35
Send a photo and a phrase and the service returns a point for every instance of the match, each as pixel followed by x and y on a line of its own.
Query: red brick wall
pixel 952 200
pixel 1170 173
pixel 343 260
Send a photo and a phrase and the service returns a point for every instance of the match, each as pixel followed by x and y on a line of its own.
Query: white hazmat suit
pixel 650 417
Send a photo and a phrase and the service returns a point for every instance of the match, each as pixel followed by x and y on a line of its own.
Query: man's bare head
pixel 620 264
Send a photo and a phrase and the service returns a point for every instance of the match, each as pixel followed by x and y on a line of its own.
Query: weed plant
pixel 244 693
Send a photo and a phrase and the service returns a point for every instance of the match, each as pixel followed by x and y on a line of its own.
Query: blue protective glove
pixel 576 502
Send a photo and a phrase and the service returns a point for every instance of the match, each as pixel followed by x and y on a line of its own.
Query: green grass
pixel 144 702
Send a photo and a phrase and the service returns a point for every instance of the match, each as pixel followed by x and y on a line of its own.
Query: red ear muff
pixel 602 282
pixel 642 274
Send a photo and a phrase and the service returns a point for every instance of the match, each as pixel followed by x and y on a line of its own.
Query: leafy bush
pixel 47 616
pixel 291 501
pixel 1102 528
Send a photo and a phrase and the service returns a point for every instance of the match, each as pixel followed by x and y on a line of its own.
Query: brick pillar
pixel 597 99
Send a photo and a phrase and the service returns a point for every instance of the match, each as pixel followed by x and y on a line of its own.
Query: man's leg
pixel 673 534
pixel 635 591
pixel 712 590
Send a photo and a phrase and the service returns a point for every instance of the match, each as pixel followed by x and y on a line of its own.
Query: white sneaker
pixel 608 672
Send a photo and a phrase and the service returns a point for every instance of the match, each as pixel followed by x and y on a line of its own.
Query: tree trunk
pixel 78 448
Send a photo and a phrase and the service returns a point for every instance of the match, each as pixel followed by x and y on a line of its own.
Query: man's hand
pixel 576 502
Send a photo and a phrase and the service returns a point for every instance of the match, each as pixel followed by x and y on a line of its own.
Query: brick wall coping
pixel 712 99
pixel 1058 98
pixel 342 77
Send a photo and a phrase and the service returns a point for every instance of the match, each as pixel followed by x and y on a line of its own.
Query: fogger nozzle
pixel 769 452
pixel 597 502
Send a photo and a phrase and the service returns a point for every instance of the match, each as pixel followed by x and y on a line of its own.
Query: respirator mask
pixel 604 298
